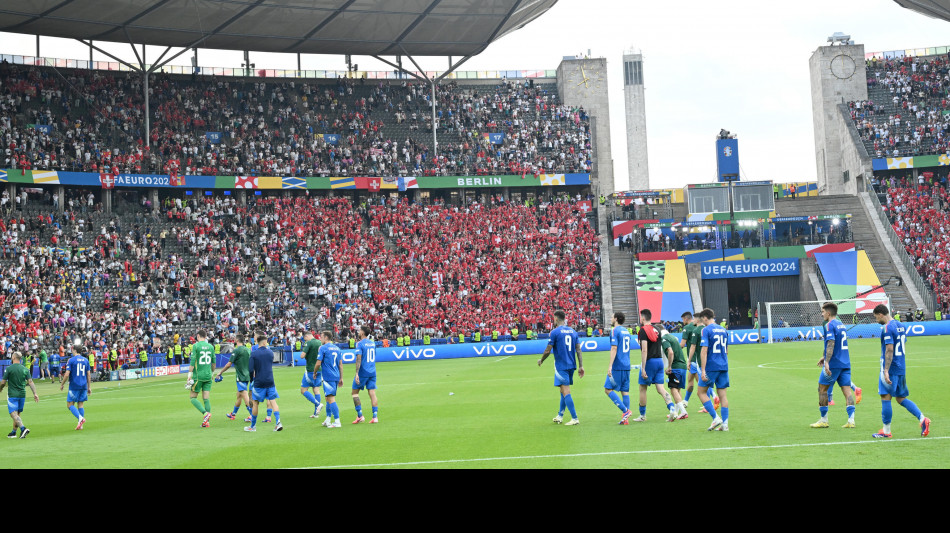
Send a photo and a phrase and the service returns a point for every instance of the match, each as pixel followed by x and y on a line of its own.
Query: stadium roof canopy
pixel 357 27
pixel 939 9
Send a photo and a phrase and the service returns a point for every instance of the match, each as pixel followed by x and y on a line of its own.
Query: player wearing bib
pixel 311 378
pixel 200 376
pixel 240 357
pixel 714 368
pixel 563 341
pixel 18 378
pixel 836 366
pixel 651 366
pixel 893 380
pixel 262 372
pixel 77 375
pixel 365 375
pixel 618 369
pixel 328 363
pixel 676 370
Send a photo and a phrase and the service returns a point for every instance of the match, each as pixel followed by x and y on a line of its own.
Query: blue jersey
pixel 366 349
pixel 261 368
pixel 835 331
pixel 78 367
pixel 329 357
pixel 716 340
pixel 894 333
pixel 620 337
pixel 563 341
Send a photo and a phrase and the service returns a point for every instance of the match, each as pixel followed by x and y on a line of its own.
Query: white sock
pixel 824 419
pixel 887 428
pixel 921 419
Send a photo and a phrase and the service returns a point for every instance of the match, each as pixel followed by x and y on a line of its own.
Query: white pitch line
pixel 634 452
pixel 502 359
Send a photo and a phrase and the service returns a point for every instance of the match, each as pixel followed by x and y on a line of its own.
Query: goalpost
pixel 851 313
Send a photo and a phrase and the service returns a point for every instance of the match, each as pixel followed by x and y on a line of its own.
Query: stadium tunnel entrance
pixel 733 298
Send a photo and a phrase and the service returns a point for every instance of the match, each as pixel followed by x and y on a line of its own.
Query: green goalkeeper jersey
pixel 311 350
pixel 240 358
pixel 203 361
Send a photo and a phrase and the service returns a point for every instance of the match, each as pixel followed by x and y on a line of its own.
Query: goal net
pixel 806 315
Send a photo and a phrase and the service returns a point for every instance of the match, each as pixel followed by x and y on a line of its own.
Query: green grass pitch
pixel 500 417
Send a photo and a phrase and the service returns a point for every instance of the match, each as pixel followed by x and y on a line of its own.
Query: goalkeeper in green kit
pixel 200 376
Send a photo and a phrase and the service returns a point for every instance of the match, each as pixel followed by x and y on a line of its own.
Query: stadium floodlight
pixel 840 38
pixel 836 221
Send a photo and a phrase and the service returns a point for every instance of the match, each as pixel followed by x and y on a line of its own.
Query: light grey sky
pixel 735 64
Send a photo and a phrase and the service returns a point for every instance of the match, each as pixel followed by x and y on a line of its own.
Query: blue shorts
pixel 329 389
pixel 366 382
pixel 677 378
pixel 654 371
pixel 242 386
pixel 75 396
pixel 259 395
pixel 841 376
pixel 719 378
pixel 694 368
pixel 897 388
pixel 15 405
pixel 308 381
pixel 620 381
pixel 563 377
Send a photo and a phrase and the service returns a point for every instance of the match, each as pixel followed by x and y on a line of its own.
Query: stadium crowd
pixel 285 265
pixel 920 214
pixel 908 116
pixel 96 123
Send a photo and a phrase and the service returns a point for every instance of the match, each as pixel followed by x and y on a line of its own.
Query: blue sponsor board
pixel 44 128
pixel 496 138
pixel 331 138
pixel 214 137
pixel 752 268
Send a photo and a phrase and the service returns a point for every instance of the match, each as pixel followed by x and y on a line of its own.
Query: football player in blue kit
pixel 893 380
pixel 328 363
pixel 77 375
pixel 563 341
pixel 618 369
pixel 365 375
pixel 836 366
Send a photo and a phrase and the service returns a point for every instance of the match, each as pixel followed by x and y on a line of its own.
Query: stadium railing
pixel 930 300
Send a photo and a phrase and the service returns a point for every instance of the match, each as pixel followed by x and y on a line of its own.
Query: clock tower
pixel 583 83
pixel 838 76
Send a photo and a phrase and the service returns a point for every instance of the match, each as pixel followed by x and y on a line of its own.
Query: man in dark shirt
pixel 651 366
pixel 262 373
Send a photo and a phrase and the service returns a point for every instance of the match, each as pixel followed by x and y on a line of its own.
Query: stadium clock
pixel 842 66
pixel 587 78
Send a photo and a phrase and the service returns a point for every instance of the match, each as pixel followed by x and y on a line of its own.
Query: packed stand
pixel 920 214
pixel 906 111
pixel 276 128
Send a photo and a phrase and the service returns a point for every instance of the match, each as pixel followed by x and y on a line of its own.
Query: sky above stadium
pixel 741 65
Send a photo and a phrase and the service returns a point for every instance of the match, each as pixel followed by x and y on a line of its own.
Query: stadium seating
pixel 286 265
pixel 904 114
pixel 920 214
pixel 277 128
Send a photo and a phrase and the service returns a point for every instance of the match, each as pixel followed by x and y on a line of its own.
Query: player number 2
pixel 844 340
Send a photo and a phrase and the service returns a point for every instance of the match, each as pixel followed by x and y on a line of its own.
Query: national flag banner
pixel 107 181
pixel 437 278
pixel 245 182
pixel 342 183
pixel 373 184
pixel 411 183
pixel 293 183
pixel 584 206
pixel 389 182
pixel 175 180
pixel 3 176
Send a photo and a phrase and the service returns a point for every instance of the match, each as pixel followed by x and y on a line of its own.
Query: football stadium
pixel 384 259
